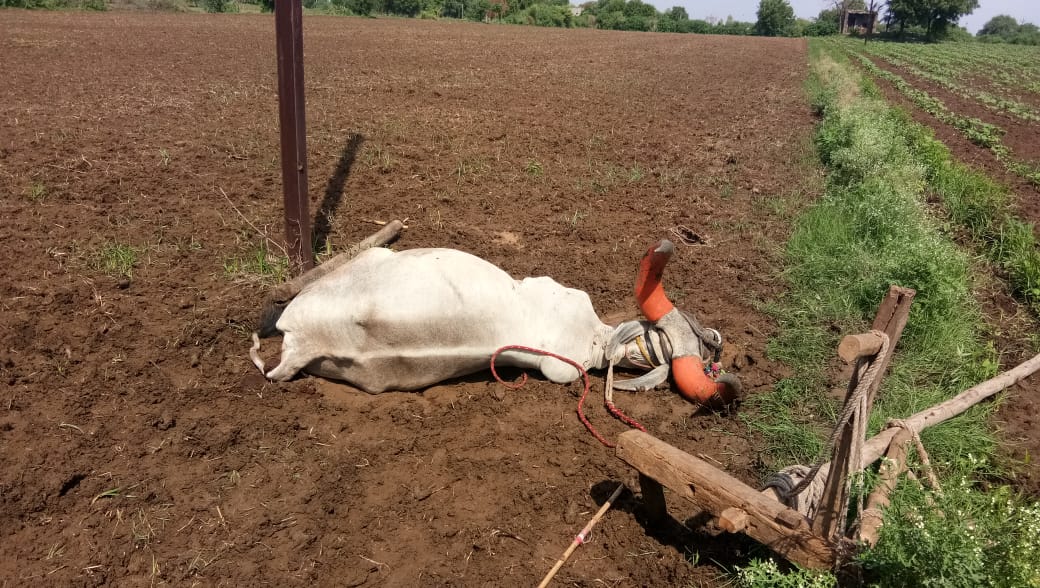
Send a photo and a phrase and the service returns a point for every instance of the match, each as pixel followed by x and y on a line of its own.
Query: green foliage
pixel 1005 29
pixel 36 192
pixel 258 264
pixel 220 5
pixel 765 574
pixel 543 15
pixel 97 5
pixel 935 16
pixel 677 13
pixel 871 229
pixel 961 537
pixel 775 19
pixel 826 23
pixel 624 15
pixel 1001 25
pixel 401 7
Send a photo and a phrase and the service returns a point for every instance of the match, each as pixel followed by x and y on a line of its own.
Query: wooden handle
pixel 733 520
pixel 853 347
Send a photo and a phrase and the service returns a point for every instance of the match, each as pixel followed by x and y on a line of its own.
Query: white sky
pixel 744 10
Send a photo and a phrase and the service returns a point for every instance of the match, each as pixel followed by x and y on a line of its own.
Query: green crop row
pixel 977 131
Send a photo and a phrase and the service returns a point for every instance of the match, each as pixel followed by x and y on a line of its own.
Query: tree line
pixel 927 19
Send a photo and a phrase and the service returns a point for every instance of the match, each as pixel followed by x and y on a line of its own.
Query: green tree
pixel 775 18
pixel 826 23
pixel 1002 26
pixel 636 8
pixel 404 7
pixel 677 13
pixel 934 16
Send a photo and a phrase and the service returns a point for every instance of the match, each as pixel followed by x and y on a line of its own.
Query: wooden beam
pixel 733 520
pixel 778 527
pixel 893 465
pixel 286 291
pixel 853 347
pixel 653 498
pixel 876 445
pixel 891 319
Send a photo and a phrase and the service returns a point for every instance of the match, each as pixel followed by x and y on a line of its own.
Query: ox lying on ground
pixel 406 320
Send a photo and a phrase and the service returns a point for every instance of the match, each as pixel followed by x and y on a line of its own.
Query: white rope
pixel 790 490
pixel 926 463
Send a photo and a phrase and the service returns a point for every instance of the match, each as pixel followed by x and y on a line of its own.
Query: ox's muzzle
pixel 682 332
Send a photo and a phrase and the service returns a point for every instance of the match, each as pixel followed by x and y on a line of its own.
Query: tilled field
pixel 138 444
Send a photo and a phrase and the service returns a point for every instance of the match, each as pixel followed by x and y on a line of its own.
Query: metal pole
pixel 288 20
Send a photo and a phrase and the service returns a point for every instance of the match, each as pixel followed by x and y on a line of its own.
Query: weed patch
pixel 259 264
pixel 116 259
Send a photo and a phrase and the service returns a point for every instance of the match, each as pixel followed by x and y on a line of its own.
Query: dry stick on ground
pixel 251 225
pixel 581 536
pixel 285 292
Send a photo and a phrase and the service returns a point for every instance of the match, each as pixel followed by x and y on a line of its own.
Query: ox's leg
pixel 294 358
pixel 557 371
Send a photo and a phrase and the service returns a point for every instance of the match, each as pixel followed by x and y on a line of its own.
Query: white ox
pixel 407 320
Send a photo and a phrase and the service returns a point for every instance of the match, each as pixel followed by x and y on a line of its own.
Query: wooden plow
pixel 818 539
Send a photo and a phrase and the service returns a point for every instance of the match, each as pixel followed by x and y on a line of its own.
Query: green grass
pixel 533 168
pixel 116 259
pixel 258 264
pixel 976 539
pixel 36 192
pixel 977 131
pixel 872 228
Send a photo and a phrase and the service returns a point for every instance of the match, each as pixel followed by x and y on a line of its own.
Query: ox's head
pixel 671 342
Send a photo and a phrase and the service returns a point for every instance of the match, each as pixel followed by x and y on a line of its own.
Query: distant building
pixel 858 21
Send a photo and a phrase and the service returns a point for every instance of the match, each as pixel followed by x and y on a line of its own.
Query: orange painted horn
pixel 649 291
pixel 696 386
pixel 687 365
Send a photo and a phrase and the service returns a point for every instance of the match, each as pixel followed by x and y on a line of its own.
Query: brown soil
pixel 1014 327
pixel 138 445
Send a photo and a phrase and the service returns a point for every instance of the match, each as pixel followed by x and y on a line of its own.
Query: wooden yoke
pixel 780 528
pixel 891 319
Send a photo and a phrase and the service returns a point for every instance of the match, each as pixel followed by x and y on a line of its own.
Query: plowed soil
pixel 139 445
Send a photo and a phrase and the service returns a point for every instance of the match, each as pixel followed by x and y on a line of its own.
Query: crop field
pixel 139 171
pixel 989 93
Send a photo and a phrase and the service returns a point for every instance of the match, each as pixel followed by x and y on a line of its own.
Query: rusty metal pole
pixel 288 21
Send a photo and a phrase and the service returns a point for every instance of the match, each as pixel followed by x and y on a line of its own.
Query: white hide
pixel 406 320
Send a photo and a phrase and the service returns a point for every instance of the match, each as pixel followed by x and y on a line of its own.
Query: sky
pixel 744 10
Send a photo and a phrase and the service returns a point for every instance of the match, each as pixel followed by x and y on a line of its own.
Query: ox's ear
pixel 647 381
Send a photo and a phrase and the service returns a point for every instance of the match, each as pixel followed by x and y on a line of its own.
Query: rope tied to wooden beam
pixel 792 481
pixel 926 464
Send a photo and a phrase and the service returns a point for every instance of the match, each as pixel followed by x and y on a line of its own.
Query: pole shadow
pixel 334 191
